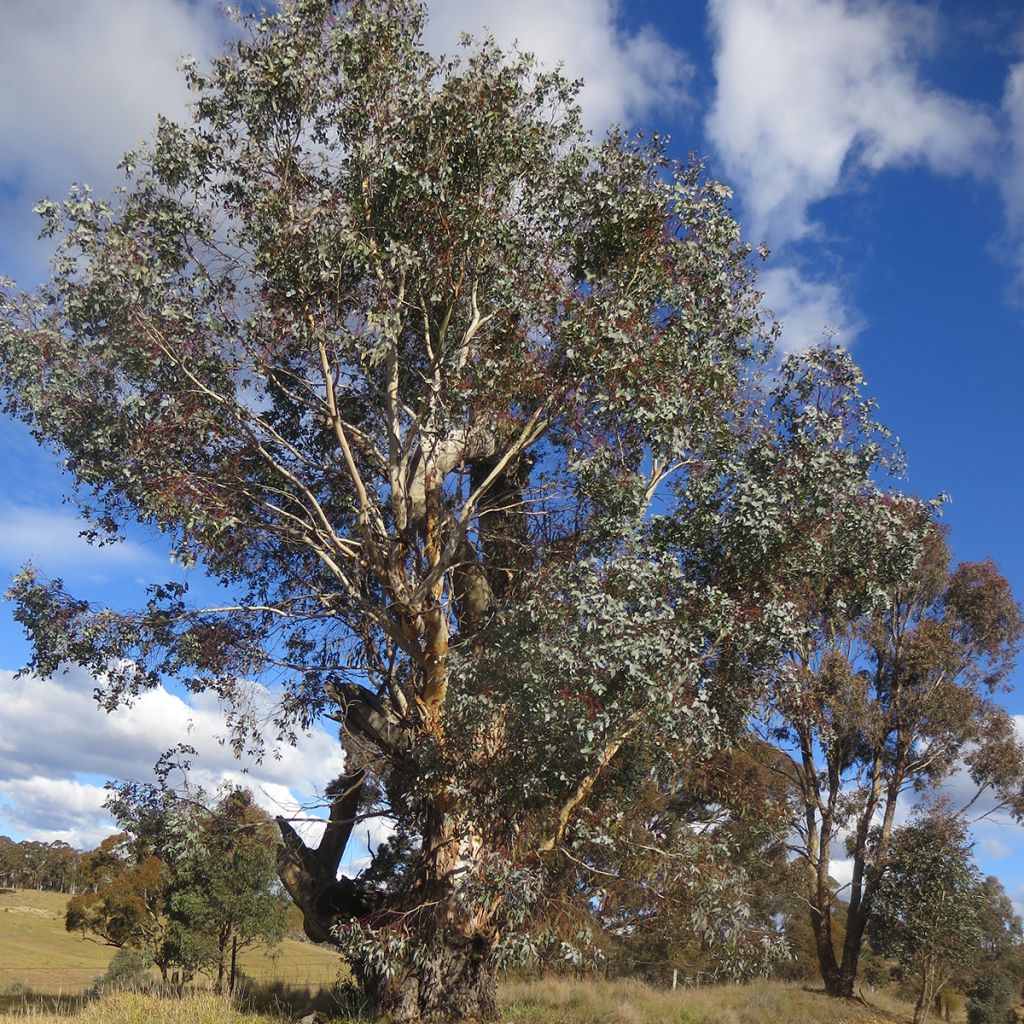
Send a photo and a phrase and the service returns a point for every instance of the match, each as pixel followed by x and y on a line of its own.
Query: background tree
pixel 221 895
pixel 1002 931
pixel 994 984
pixel 993 1000
pixel 125 904
pixel 891 691
pixel 30 864
pixel 928 904
pixel 184 883
pixel 458 406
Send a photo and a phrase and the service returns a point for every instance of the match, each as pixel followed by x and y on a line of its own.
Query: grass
pixel 44 971
pixel 140 1008
pixel 541 1002
pixel 564 1001
pixel 37 953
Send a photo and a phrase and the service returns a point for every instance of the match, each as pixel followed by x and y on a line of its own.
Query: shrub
pixel 129 969
pixel 992 1001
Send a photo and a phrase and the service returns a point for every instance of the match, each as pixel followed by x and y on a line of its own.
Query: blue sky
pixel 877 147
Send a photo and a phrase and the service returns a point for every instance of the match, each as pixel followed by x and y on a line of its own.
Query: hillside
pixel 36 952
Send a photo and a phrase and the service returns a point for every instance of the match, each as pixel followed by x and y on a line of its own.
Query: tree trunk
pixel 454 981
pixel 923 1004
pixel 448 973
pixel 856 924
pixel 821 927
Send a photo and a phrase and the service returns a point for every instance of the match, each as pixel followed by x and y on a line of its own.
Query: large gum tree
pixel 456 405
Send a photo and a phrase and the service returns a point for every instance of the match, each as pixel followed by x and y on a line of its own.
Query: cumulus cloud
pixel 628 74
pixel 56 745
pixel 811 312
pixel 841 870
pixel 809 91
pixel 52 810
pixel 84 82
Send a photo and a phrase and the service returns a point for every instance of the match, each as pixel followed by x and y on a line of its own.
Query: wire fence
pixel 288 972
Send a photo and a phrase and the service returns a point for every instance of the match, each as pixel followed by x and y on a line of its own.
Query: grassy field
pixel 534 1003
pixel 768 1002
pixel 37 953
pixel 39 958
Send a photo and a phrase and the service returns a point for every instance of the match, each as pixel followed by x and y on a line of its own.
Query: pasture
pixel 44 973
pixel 38 955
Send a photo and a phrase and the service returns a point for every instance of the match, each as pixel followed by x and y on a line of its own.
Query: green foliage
pixel 184 883
pixel 1002 931
pixel 928 904
pixel 993 1000
pixel 224 876
pixel 129 968
pixel 874 970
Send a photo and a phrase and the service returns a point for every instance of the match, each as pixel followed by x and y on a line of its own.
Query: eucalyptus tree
pixel 457 405
pixel 890 691
pixel 221 893
pixel 928 904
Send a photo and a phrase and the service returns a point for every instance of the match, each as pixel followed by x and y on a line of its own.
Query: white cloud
pixel 628 74
pixel 83 82
pixel 841 869
pixel 52 734
pixel 810 90
pixel 810 312
pixel 49 810
pixel 1013 109
pixel 52 539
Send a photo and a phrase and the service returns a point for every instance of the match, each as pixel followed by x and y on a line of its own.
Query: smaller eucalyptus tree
pixel 928 904
pixel 891 686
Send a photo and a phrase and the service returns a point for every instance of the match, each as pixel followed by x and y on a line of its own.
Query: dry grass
pixel 137 1008
pixel 544 1002
pixel 560 1001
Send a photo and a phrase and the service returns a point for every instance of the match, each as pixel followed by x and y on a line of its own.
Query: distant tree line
pixel 50 867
